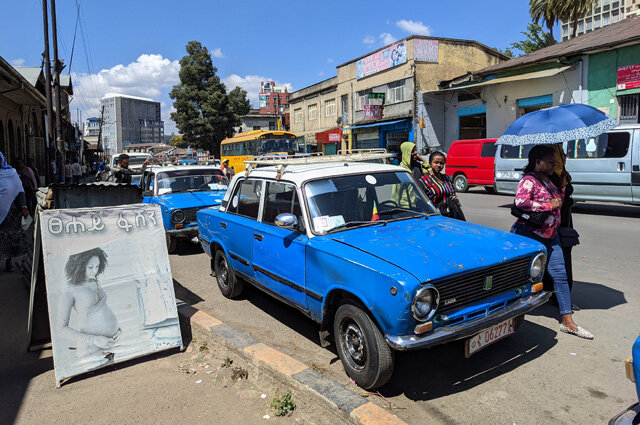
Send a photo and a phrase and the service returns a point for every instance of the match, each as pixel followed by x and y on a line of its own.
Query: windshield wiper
pixel 400 209
pixel 351 224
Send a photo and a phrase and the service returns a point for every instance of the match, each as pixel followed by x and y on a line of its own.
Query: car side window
pixel 281 198
pixel 246 199
pixel 488 150
pixel 607 145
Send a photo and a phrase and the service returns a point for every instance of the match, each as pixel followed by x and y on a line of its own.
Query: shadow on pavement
pixel 443 370
pixel 185 294
pixel 186 247
pixel 587 296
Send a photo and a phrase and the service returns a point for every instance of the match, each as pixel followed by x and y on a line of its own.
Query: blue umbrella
pixel 557 125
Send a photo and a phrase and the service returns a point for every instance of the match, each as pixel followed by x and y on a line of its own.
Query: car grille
pixel 464 289
pixel 190 214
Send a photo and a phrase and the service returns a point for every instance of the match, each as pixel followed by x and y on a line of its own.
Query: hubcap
pixel 354 344
pixel 459 184
pixel 222 272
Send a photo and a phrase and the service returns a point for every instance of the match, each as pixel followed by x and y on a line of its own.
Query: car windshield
pixel 175 181
pixel 344 202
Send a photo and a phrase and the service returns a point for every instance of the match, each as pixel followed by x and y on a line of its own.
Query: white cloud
pixel 413 27
pixel 169 126
pixel 18 62
pixel 251 84
pixel 369 39
pixel 150 76
pixel 330 60
pixel 217 53
pixel 386 38
pixel 320 74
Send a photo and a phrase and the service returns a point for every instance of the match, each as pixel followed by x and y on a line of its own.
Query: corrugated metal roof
pixel 622 32
pixel 527 76
pixel 30 73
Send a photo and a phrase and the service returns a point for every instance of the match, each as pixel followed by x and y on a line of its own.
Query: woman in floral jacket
pixel 536 193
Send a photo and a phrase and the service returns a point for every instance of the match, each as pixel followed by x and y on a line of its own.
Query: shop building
pixel 601 69
pixel 371 102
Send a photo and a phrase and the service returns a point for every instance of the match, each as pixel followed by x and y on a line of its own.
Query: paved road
pixel 537 376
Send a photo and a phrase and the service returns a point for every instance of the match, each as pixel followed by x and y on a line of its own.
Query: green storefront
pixel 620 101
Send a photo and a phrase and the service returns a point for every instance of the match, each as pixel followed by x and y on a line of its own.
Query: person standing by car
pixel 122 173
pixel 439 188
pixel 537 194
pixel 226 170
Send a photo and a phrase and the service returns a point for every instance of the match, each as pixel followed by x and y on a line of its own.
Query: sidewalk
pixel 165 388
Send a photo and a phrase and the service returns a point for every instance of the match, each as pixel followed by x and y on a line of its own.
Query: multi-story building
pixel 255 120
pixel 274 99
pixel 371 102
pixel 130 119
pixel 604 12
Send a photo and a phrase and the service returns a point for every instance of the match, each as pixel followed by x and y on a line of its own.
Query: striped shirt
pixel 439 191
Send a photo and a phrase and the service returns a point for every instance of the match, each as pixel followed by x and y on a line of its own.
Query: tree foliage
pixel 178 141
pixel 204 114
pixel 549 12
pixel 536 39
pixel 240 104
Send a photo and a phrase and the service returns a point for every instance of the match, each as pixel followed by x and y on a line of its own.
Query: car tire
pixel 460 183
pixel 172 243
pixel 365 355
pixel 490 189
pixel 230 286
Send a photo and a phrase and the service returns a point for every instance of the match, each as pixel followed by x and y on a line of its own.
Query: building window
pixel 629 107
pixel 588 23
pixel 596 22
pixel 272 125
pixel 396 92
pixel 472 122
pixel 605 19
pixel 363 99
pixel 580 27
pixel 297 115
pixel 312 112
pixel 329 107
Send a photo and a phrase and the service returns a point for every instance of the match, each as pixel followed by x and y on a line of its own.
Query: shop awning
pixel 527 76
pixel 333 135
pixel 375 124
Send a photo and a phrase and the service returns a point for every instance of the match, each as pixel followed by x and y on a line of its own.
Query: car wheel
pixel 171 244
pixel 490 189
pixel 365 355
pixel 460 183
pixel 229 285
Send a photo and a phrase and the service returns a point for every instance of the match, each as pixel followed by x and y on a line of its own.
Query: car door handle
pixel 620 166
pixel 223 224
pixel 258 237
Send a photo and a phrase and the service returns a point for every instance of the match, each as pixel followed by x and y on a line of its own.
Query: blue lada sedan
pixel 181 191
pixel 358 248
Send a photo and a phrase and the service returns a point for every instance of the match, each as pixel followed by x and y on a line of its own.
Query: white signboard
pixel 425 50
pixel 109 286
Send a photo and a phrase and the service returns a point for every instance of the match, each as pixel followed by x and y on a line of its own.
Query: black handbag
pixel 568 236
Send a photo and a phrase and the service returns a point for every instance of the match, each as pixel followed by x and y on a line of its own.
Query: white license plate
pixel 489 336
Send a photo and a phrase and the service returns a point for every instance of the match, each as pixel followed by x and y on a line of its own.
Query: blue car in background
pixel 359 248
pixel 631 416
pixel 181 191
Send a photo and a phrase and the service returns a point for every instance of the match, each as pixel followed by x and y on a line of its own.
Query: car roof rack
pixel 351 155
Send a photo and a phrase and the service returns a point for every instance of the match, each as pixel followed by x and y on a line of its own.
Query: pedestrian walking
pixel 68 172
pixel 76 170
pixel 228 172
pixel 537 205
pixel 439 188
pixel 29 184
pixel 13 207
pixel 83 166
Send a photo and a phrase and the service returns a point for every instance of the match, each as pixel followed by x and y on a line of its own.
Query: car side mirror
pixel 286 221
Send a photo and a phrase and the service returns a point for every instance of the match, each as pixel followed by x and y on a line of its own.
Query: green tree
pixel 506 51
pixel 574 10
pixel 536 39
pixel 545 12
pixel 240 104
pixel 178 141
pixel 203 111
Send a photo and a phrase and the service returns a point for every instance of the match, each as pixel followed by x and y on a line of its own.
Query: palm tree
pixel 574 10
pixel 544 12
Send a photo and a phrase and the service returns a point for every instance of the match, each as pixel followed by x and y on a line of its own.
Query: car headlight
pixel 425 303
pixel 537 266
pixel 177 216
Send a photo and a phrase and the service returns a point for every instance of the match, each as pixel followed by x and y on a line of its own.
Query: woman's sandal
pixel 580 332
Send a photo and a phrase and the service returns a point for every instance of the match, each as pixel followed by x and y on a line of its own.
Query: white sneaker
pixel 580 332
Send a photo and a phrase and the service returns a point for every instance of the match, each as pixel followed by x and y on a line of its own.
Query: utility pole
pixel 51 151
pixel 56 82
pixel 99 145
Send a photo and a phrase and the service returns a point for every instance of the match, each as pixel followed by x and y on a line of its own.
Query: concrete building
pixel 370 103
pixel 128 120
pixel 256 120
pixel 605 12
pixel 601 69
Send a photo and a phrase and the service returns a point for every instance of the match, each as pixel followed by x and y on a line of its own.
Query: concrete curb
pixel 289 369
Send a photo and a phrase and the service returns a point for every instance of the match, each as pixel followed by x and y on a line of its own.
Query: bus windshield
pixel 277 144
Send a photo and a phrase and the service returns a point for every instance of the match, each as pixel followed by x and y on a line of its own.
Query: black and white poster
pixel 109 286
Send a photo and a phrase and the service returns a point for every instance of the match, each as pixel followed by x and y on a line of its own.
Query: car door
pixel 600 167
pixel 239 224
pixel 279 254
pixel 635 167
pixel 486 163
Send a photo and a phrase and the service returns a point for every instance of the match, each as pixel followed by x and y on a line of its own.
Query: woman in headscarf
pixel 13 206
pixel 412 162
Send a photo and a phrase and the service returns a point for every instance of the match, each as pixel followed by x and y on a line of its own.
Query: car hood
pixel 191 199
pixel 438 246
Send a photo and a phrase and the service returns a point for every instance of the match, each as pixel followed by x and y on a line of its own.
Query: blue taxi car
pixel 631 416
pixel 358 248
pixel 181 191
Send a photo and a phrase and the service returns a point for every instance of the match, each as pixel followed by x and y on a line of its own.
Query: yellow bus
pixel 245 146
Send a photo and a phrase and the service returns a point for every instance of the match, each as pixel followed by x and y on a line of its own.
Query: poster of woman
pixel 109 286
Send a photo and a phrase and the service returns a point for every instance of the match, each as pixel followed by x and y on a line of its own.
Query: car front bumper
pixel 467 329
pixel 188 232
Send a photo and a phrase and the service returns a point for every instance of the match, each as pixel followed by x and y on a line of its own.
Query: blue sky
pixel 133 46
